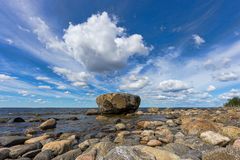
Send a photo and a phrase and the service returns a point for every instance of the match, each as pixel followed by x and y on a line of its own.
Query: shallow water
pixel 85 124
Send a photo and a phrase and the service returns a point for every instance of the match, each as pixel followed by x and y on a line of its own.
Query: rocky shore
pixel 180 134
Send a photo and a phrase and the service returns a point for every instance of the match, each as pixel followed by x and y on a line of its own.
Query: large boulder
pixel 48 124
pixel 117 103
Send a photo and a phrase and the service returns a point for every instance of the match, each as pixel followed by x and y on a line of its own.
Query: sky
pixel 171 53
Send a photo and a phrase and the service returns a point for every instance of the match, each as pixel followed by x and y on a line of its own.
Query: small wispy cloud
pixel 198 40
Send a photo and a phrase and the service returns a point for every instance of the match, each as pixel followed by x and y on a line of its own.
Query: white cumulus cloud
pixel 100 45
pixel 211 88
pixel 44 87
pixel 134 83
pixel 228 95
pixel 4 77
pixel 173 86
pixel 226 76
pixel 197 39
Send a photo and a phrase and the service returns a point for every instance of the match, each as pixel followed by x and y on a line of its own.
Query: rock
pixel 32 130
pixel 236 144
pixel 154 143
pixel 58 147
pixel 101 118
pixel 164 134
pixel 171 123
pixel 92 112
pixel 88 156
pixel 8 141
pixel 103 148
pixel 214 138
pixel 222 154
pixel 128 153
pixel 4 153
pixel 149 124
pixel 197 126
pixel 31 154
pixel 16 120
pixel 48 124
pixel 177 148
pixel 19 150
pixel 120 126
pixel 139 113
pixel 139 153
pixel 84 145
pixel 153 110
pixel 44 155
pixel 37 139
pixel 231 131
pixel 72 118
pixel 70 155
pixel 118 103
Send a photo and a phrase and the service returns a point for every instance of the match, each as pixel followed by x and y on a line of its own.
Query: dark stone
pixel 44 155
pixel 8 141
pixel 31 154
pixel 16 120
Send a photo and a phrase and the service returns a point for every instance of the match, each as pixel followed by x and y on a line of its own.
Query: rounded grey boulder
pixel 118 103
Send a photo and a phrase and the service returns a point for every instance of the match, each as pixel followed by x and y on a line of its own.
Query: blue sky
pixel 171 53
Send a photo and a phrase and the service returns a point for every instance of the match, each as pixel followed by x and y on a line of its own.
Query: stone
pixel 37 139
pixel 118 103
pixel 171 123
pixel 149 124
pixel 8 141
pixel 231 131
pixel 32 130
pixel 48 124
pixel 44 155
pixel 164 134
pixel 58 147
pixel 221 154
pixel 88 156
pixel 158 153
pixel 92 112
pixel 128 153
pixel 120 126
pixel 214 138
pixel 177 148
pixel 84 145
pixel 4 153
pixel 197 126
pixel 236 144
pixel 19 150
pixel 147 133
pixel 70 155
pixel 101 118
pixel 153 110
pixel 16 120
pixel 31 154
pixel 154 143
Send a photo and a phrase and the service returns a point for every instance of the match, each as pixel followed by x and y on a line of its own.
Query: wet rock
pixel 19 150
pixel 4 153
pixel 32 130
pixel 3 120
pixel 222 154
pixel 44 155
pixel 154 143
pixel 72 118
pixel 31 154
pixel 120 126
pixel 48 124
pixel 37 139
pixel 118 103
pixel 214 138
pixel 231 131
pixel 70 155
pixel 16 120
pixel 58 147
pixel 84 145
pixel 8 141
pixel 92 112
pixel 101 118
